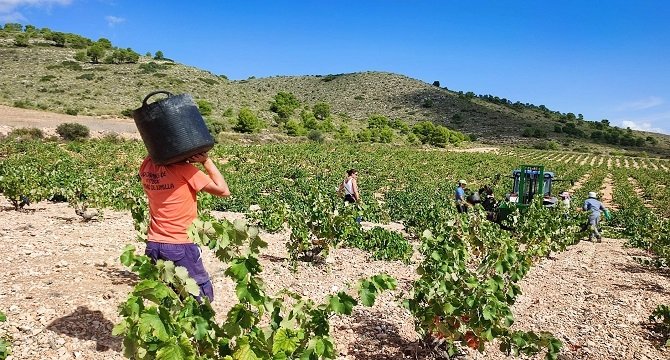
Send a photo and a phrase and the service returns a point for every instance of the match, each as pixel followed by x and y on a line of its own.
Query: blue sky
pixel 603 59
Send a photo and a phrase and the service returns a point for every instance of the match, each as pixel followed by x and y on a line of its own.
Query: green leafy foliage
pixel 316 136
pixel 247 122
pixel 661 318
pixel 294 128
pixel 26 134
pixel 468 283
pixel 284 104
pixel 205 107
pixel 5 341
pixel 436 135
pixel 96 53
pixel 321 110
pixel 162 320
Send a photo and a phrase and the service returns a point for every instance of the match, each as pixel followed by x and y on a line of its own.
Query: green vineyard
pixel 468 269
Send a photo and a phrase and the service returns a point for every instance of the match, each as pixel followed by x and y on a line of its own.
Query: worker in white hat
pixel 565 199
pixel 594 207
pixel 459 195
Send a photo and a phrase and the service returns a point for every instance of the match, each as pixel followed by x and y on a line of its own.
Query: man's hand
pixel 198 158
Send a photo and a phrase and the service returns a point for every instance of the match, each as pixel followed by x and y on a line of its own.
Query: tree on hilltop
pixel 95 53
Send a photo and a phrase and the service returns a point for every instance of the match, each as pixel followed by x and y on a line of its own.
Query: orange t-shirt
pixel 171 190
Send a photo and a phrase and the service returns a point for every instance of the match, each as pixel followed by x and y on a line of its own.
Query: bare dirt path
pixel 584 160
pixel 11 117
pixel 594 297
pixel 607 190
pixel 62 283
pixel 579 183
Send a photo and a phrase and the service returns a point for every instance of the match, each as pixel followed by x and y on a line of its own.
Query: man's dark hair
pixel 351 172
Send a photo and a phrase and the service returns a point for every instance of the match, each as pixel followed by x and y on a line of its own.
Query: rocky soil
pixel 62 283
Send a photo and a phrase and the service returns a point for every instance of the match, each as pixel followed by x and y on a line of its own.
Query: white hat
pixel 593 195
pixel 462 182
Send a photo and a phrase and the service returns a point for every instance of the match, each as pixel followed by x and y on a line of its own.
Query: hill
pixel 47 73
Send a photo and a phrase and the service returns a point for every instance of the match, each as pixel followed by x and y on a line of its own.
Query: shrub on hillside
pixel 209 81
pixel 546 145
pixel 127 113
pixel 152 67
pixel 26 134
pixel 57 37
pixel 364 135
pixel 66 64
pixel 436 135
pixel 105 43
pixel 95 53
pixel 81 56
pixel 382 135
pixel 321 110
pixel 327 125
pixel 47 77
pixel 316 136
pixel 215 127
pixel 294 128
pixel 23 104
pixel 122 56
pixel 344 134
pixel 22 40
pixel 86 76
pixel 401 126
pixel 284 104
pixel 378 121
pixel 412 139
pixel 205 107
pixel 72 131
pixel 13 27
pixel 247 122
pixel 534 132
pixel 309 120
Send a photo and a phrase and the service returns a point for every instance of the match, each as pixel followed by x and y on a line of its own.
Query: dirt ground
pixel 63 282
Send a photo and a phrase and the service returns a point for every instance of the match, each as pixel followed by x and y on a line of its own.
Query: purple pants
pixel 188 256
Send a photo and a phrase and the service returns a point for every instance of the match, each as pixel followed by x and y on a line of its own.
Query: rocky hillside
pixel 40 75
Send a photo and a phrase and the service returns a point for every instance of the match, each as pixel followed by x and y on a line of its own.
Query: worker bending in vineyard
pixel 172 193
pixel 459 196
pixel 594 207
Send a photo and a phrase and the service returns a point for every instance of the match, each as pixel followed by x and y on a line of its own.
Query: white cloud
pixel 641 104
pixel 113 20
pixel 8 7
pixel 642 126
